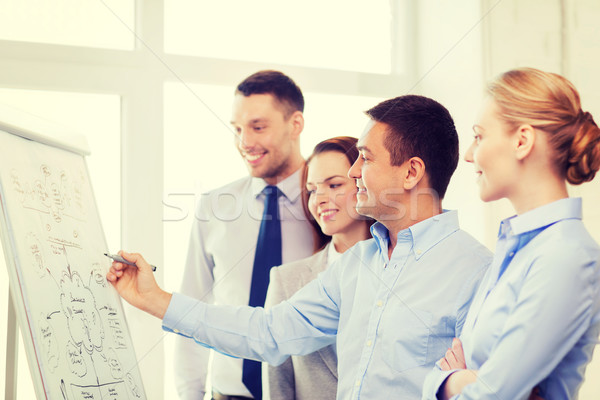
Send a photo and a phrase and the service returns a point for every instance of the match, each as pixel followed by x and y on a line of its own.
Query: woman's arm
pixel 553 310
pixel 452 360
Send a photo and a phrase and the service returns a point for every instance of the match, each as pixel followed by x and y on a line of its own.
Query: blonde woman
pixel 330 203
pixel 534 321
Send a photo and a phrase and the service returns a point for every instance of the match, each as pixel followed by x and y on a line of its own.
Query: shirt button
pixel 369 343
pixel 176 330
pixel 357 383
pixel 419 251
pixel 379 303
pixel 512 253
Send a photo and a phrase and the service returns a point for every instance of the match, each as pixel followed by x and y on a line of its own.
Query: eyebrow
pixel 326 179
pixel 364 148
pixel 254 121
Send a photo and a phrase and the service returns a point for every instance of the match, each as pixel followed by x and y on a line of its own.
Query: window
pixel 335 34
pixel 125 100
pixel 104 24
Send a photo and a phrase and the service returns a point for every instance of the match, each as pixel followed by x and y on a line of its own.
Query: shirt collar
pixel 290 186
pixel 541 217
pixel 332 254
pixel 424 235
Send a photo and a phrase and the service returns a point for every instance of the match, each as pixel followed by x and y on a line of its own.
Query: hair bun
pixel 584 116
pixel 584 155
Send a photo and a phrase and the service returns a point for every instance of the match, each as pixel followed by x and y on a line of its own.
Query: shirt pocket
pixel 405 338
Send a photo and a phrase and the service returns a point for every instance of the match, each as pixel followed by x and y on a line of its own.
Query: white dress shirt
pixel 219 269
pixel 332 254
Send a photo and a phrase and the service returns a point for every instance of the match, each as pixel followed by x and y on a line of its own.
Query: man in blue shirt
pixel 392 303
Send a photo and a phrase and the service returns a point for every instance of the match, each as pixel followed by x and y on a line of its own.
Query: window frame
pixel 138 77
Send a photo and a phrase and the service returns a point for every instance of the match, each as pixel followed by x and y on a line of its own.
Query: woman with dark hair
pixel 329 201
pixel 535 319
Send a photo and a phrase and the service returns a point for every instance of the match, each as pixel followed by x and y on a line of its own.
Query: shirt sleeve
pixel 468 292
pixel 275 292
pixel 553 311
pixel 191 360
pixel 299 326
pixel 434 381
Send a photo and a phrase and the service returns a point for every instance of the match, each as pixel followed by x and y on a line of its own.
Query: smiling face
pixel 332 194
pixel 266 138
pixel 381 194
pixel 492 153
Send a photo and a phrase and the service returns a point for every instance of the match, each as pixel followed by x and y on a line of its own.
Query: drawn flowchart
pixel 78 329
pixel 52 193
pixel 84 349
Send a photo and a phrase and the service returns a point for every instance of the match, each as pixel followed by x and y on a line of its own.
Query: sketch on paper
pixel 78 330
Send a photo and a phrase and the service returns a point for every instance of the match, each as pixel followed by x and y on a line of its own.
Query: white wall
pixel 476 40
pixel 449 69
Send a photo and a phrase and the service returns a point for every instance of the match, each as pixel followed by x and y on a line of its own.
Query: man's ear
pixel 524 141
pixel 297 122
pixel 415 171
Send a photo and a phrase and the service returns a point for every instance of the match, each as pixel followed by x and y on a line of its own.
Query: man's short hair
pixel 420 127
pixel 277 84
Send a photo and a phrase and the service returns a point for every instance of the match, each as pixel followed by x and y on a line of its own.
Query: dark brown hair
pixel 420 127
pixel 277 84
pixel 341 144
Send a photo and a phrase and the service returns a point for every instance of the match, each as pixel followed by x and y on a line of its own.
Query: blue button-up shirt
pixel 536 316
pixel 393 317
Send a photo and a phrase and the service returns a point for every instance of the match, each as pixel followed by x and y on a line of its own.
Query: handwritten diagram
pixel 79 333
pixel 52 192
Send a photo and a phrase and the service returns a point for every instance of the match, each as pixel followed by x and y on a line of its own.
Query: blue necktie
pixel 268 254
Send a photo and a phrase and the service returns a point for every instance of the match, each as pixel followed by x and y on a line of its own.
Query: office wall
pixel 558 36
pixel 475 41
pixel 449 69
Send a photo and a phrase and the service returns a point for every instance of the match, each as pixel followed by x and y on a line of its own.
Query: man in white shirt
pixel 267 119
